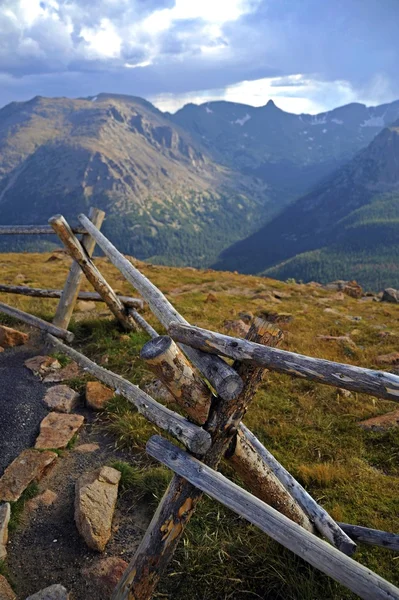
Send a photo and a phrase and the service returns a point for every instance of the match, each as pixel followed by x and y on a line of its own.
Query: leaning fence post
pixel 74 247
pixel 71 289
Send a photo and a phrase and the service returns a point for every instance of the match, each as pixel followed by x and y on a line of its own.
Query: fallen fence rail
pixel 36 322
pixel 357 379
pixel 326 558
pixel 33 230
pixel 372 537
pixel 43 293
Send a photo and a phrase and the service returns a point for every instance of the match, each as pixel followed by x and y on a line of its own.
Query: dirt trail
pixel 46 547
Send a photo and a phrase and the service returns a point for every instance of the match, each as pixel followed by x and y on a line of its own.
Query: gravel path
pixel 21 406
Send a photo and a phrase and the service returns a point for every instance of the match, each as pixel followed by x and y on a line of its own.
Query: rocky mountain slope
pixel 164 195
pixel 348 226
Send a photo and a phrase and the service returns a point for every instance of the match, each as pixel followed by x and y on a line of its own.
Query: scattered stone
pixel 339 296
pixel 61 398
pixel 54 257
pixel 247 317
pixel 42 365
pixel 344 393
pixel 157 390
pixel 332 311
pixel 87 448
pixel 57 430
pixel 211 298
pixel 274 317
pixel 20 277
pixel 343 339
pixel 5 514
pixel 11 337
pixel 236 328
pixel 71 371
pixel 388 359
pixel 46 498
pixel 86 306
pixel 356 319
pixel 54 592
pixel 106 573
pixel 1 349
pixel 281 295
pixel 353 289
pixel 29 466
pixel 381 423
pixel 98 394
pixel 95 499
pixel 390 295
pixel 6 591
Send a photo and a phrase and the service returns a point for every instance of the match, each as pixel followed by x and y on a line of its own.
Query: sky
pixel 306 55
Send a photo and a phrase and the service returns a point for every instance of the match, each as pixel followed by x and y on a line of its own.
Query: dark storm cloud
pixel 46 49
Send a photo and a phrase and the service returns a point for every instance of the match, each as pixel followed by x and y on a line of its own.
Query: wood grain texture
pixel 372 537
pixel 319 554
pixel 356 379
pixel 324 523
pixel 78 253
pixel 64 310
pixel 36 322
pixel 141 322
pixel 193 437
pixel 22 290
pixel 170 365
pixel 221 376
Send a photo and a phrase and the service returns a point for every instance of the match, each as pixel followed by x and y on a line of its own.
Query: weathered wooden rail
pixel 215 405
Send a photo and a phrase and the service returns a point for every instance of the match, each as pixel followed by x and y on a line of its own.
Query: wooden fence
pixel 215 396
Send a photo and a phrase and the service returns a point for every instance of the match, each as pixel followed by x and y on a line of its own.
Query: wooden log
pixel 220 375
pixel 180 499
pixel 36 322
pixel 143 323
pixel 33 230
pixel 22 290
pixel 171 366
pixel 63 313
pixel 193 437
pixel 324 523
pixel 319 554
pixel 101 286
pixel 357 379
pixel 372 537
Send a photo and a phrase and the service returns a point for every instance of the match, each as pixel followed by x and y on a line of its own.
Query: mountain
pixel 165 197
pixel 347 227
pixel 290 152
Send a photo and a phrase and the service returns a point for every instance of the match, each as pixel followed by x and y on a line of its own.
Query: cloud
pixel 305 54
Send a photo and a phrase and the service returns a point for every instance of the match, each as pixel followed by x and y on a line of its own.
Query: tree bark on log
pixel 319 554
pixel 101 286
pixel 22 290
pixel 372 537
pixel 324 523
pixel 220 375
pixel 143 324
pixel 171 366
pixel 356 379
pixel 193 437
pixel 36 322
pixel 180 499
pixel 63 313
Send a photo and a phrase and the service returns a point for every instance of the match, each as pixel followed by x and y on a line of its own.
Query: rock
pixel 158 391
pixel 1 349
pixel 211 298
pixel 87 448
pixel 86 305
pixel 46 498
pixel 29 466
pixel 11 337
pixel 281 295
pixel 54 257
pixel 54 592
pixel 57 430
pixel 388 359
pixel 106 573
pixel 98 394
pixel 344 393
pixel 274 317
pixel 95 499
pixel 332 311
pixel 61 398
pixel 6 591
pixel 353 289
pixel 42 365
pixel 236 328
pixel 339 296
pixel 390 295
pixel 344 339
pixel 247 317
pixel 71 371
pixel 5 514
pixel 381 423
pixel 20 277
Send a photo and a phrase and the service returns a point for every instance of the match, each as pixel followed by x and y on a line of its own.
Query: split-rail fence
pixel 214 395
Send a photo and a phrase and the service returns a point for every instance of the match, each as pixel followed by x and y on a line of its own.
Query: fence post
pixel 71 289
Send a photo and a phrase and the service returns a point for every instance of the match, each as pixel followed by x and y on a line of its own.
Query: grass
pixel 311 429
pixel 17 508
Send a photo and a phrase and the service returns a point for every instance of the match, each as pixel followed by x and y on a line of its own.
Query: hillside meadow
pixel 312 429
